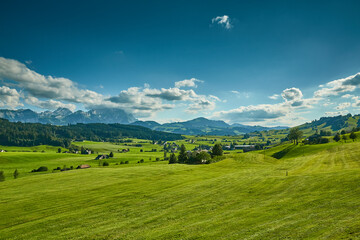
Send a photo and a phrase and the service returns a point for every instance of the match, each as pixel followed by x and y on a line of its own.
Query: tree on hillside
pixel 111 154
pixel 217 150
pixel 294 135
pixel 59 150
pixel 353 136
pixel 344 137
pixel 16 174
pixel 337 137
pixel 182 158
pixel 343 132
pixel 172 158
pixel 2 176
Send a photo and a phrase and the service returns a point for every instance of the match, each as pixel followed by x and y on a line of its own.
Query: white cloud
pixel 292 94
pixel 44 86
pixel 49 104
pixel 333 88
pixel 342 106
pixel 253 113
pixel 332 114
pixel 9 97
pixel 223 21
pixel 347 96
pixel 170 94
pixel 188 83
pixel 201 105
pixel 235 92
pixel 274 97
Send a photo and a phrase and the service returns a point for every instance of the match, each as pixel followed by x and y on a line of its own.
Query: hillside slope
pixel 247 196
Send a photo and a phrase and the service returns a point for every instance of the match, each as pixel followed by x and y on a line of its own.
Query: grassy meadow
pixel 311 192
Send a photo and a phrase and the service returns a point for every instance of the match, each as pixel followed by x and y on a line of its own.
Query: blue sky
pixel 135 55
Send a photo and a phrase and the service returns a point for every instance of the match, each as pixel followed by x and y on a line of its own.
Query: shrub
pixel 324 140
pixel 2 176
pixel 16 174
pixel 42 169
pixel 126 162
pixel 122 162
pixel 157 159
pixel 105 164
pixel 142 161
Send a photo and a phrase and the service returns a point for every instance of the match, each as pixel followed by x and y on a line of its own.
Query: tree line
pixel 33 134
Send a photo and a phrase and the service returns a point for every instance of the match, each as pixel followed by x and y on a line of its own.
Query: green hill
pixel 310 193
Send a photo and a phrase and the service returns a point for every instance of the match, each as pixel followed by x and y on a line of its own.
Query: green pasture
pixel 311 192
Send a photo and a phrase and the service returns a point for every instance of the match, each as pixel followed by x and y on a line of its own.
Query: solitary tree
pixel 172 158
pixel 182 155
pixel 59 150
pixel 295 134
pixel 217 150
pixel 343 132
pixel 344 137
pixel 337 137
pixel 16 174
pixel 111 154
pixel 353 136
pixel 2 176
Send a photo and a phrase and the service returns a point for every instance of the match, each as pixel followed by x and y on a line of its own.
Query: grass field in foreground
pixel 247 196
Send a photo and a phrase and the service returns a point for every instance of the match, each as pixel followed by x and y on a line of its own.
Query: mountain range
pixel 203 126
pixel 63 116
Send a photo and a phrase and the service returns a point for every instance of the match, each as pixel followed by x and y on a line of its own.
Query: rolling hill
pixel 311 193
pixel 203 126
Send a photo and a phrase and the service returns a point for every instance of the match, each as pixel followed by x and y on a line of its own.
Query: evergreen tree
pixel 217 150
pixel 111 154
pixel 16 174
pixel 59 150
pixel 183 154
pixel 337 137
pixel 172 158
pixel 344 137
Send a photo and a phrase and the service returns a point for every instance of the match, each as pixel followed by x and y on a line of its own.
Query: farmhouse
pixel 83 166
pixel 245 148
pixel 2 150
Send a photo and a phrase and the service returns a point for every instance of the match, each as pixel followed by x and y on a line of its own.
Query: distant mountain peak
pixel 63 116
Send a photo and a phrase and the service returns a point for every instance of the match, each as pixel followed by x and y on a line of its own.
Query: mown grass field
pixel 246 196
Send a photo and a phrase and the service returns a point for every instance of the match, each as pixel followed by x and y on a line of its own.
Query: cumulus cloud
pixel 48 104
pixel 188 83
pixel 62 92
pixel 201 105
pixel 9 97
pixel 333 88
pixel 44 86
pixel 292 94
pixel 223 21
pixel 171 94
